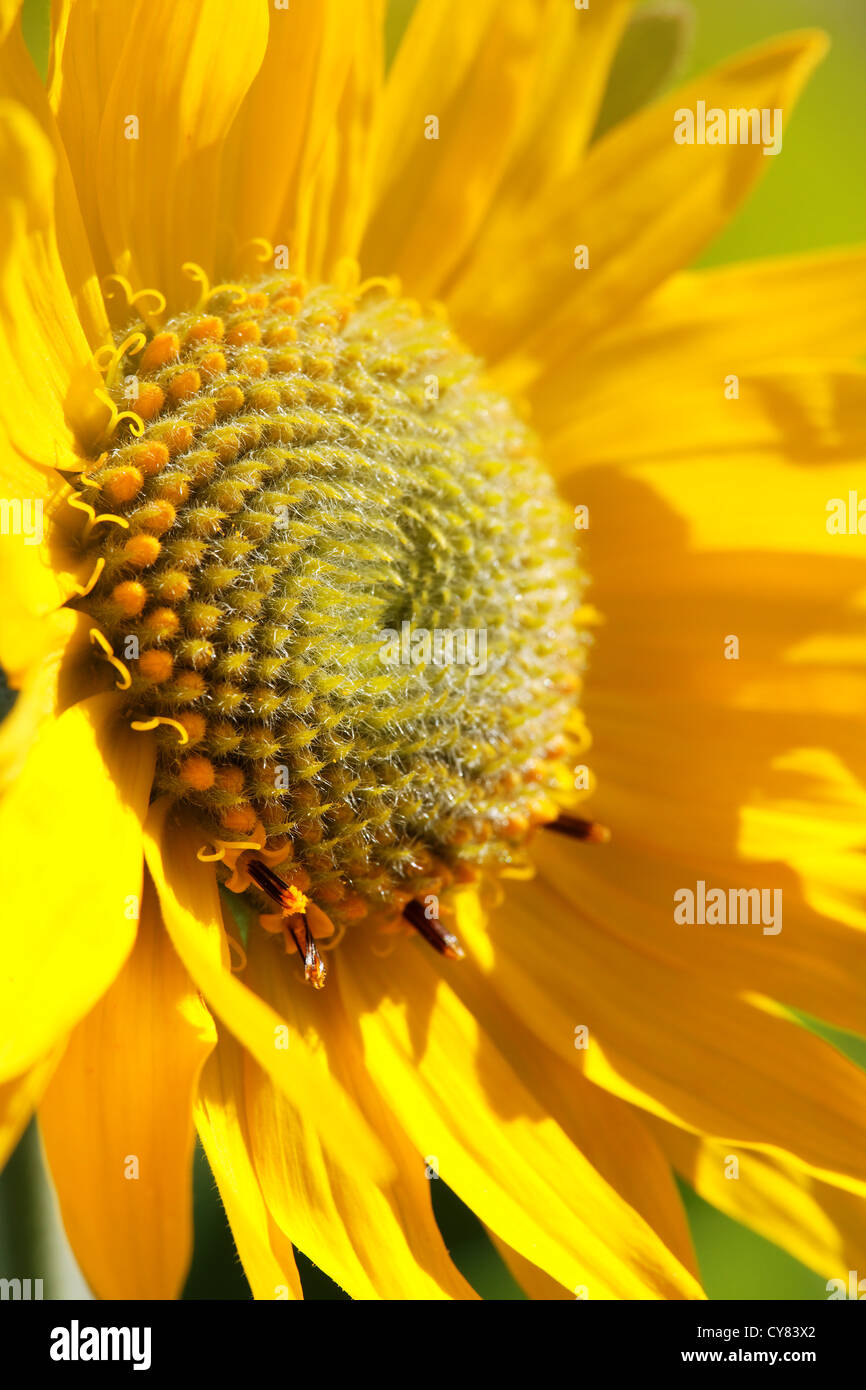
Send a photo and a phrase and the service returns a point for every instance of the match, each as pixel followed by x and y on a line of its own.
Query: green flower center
pixel 347 579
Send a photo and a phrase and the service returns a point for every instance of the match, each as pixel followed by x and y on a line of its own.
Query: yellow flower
pixel 243 446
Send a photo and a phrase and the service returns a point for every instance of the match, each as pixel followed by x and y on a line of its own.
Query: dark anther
pixel 432 930
pixel 589 830
pixel 270 883
pixel 288 899
pixel 315 970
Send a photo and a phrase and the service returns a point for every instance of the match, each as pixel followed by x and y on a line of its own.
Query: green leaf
pixel 653 51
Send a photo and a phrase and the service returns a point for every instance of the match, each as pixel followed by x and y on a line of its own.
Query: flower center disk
pixel 347 576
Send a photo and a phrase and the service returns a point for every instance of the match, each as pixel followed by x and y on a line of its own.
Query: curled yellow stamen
pixel 263 245
pixel 122 284
pixel 74 500
pixel 134 298
pixel 144 726
pixel 136 424
pixel 237 290
pixel 102 357
pixel 105 516
pixel 234 857
pixel 131 346
pixel 134 420
pixel 210 858
pixel 125 678
pixel 82 590
pixel 328 943
pixel 274 923
pixel 80 475
pixel 242 955
pixel 199 276
pixel 159 307
pixel 382 953
pixel 391 283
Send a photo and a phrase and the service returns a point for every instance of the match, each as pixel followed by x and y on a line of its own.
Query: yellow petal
pixel 819 1225
pixel 702 491
pixel 642 204
pixel 117 1126
pixel 374 1239
pixel 699 327
pixel 41 566
pixel 282 178
pixel 460 1102
pixel 725 411
pixel 725 694
pixel 45 359
pixel 671 1041
pixel 181 74
pixel 20 82
pixel 266 1254
pixel 470 68
pixel 533 1281
pixel 800 836
pixel 87 39
pixel 796 412
pixel 333 207
pixel 191 910
pixel 611 1135
pixel 577 50
pixel 19 1098
pixel 70 828
pixel 38 699
pixel 35 631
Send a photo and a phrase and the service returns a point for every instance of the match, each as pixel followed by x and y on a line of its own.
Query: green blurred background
pixel 813 195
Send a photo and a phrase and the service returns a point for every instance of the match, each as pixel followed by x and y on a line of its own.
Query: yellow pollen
pixel 144 726
pixel 194 725
pixel 295 901
pixel 121 484
pixel 161 624
pixel 246 332
pixel 205 330
pixel 149 401
pixel 162 349
pixel 141 551
pixel 189 685
pixel 130 597
pixel 148 458
pixel 212 364
pixel 155 665
pixel 170 587
pixel 197 772
pixel 183 385
pixel 157 516
pixel 239 818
